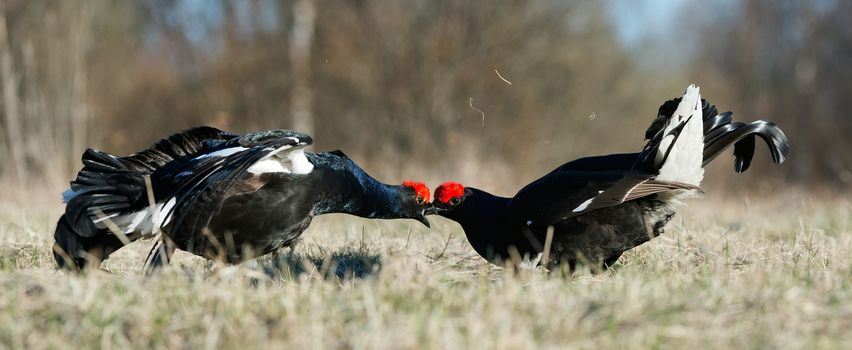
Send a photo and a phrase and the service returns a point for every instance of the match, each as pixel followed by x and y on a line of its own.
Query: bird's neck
pixel 484 217
pixel 350 190
pixel 375 199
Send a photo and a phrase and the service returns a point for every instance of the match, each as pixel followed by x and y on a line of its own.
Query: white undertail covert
pixel 685 149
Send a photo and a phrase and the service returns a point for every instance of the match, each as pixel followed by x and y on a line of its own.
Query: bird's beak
pixel 430 210
pixel 424 221
pixel 422 216
pixel 436 209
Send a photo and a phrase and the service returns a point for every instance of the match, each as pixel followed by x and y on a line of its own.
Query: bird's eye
pixel 455 200
pixel 419 199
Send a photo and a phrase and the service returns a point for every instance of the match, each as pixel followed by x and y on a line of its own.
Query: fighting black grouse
pixel 591 210
pixel 219 195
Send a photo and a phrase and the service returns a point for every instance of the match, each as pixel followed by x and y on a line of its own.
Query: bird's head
pixel 415 201
pixel 448 196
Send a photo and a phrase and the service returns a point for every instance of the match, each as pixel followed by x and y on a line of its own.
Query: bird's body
pixel 598 236
pixel 260 213
pixel 230 197
pixel 599 207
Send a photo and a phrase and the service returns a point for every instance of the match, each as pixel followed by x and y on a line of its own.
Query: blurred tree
pixel 301 40
pixel 490 95
pixel 47 55
pixel 403 84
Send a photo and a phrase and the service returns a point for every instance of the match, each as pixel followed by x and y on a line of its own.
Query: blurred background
pixel 492 94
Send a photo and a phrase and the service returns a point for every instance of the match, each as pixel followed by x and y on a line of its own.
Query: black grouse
pixel 218 195
pixel 591 210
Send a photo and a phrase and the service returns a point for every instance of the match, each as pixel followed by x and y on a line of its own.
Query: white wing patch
pixel 268 166
pixel 585 204
pixel 294 162
pixel 276 161
pixel 222 152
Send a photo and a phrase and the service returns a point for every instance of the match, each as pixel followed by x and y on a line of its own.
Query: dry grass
pixel 772 273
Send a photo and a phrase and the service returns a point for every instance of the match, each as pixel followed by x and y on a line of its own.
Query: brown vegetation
pixel 769 275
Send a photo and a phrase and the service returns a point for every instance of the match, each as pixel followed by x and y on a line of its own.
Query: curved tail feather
pixel 742 136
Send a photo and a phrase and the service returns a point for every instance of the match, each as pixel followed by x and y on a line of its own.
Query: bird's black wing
pixel 561 195
pixel 208 177
pixel 611 162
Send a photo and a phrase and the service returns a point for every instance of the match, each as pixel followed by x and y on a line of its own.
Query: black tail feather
pixel 715 121
pixel 116 185
pixel 107 184
pixel 720 131
pixel 743 152
pixel 742 137
pixel 75 251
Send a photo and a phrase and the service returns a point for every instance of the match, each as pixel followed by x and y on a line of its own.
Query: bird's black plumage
pixel 257 214
pixel 219 195
pixel 599 207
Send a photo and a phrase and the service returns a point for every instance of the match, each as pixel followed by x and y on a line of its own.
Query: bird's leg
pixel 292 247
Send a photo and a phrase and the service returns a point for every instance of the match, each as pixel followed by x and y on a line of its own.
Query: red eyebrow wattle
pixel 448 190
pixel 420 188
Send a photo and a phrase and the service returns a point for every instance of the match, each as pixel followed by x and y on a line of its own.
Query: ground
pixel 728 273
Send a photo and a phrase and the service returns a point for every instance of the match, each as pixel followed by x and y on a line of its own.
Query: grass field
pixel 758 273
